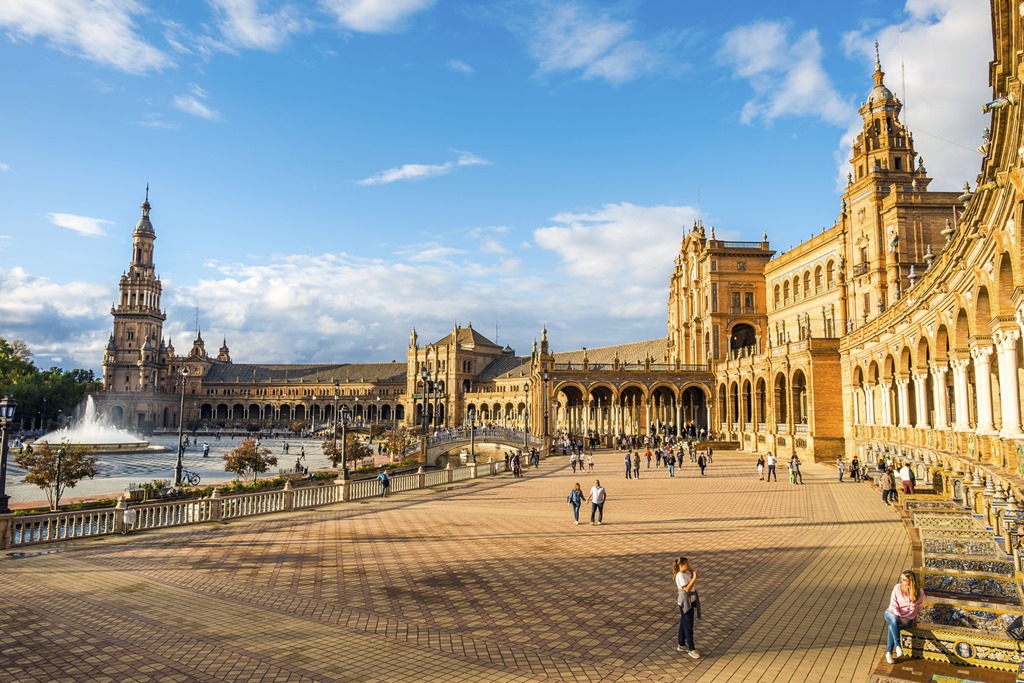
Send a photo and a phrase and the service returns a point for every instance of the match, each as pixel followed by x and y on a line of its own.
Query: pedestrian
pixel 636 465
pixel 887 483
pixel 689 604
pixel 385 483
pixel 657 458
pixel 840 468
pixel 590 461
pixel 572 461
pixel 670 462
pixel 629 466
pixel 575 499
pixel 711 454
pixel 904 607
pixel 596 499
pixel 760 468
pixel 772 462
pixel 702 463
pixel 648 456
pixel 794 470
pixel 907 475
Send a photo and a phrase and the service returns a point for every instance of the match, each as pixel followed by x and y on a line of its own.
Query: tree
pixel 249 460
pixel 76 463
pixel 297 427
pixel 396 441
pixel 354 450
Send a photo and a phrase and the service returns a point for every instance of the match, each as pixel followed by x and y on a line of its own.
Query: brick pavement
pixel 486 580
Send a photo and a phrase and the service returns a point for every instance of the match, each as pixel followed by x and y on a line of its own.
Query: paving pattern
pixel 487 580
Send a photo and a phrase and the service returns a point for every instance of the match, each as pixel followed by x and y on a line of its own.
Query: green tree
pixel 297 426
pixel 396 441
pixel 354 450
pixel 249 460
pixel 76 463
pixel 51 394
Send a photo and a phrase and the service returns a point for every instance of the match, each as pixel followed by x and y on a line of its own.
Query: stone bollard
pixel 472 470
pixel 421 478
pixel 451 471
pixel 346 490
pixel 6 522
pixel 215 506
pixel 119 509
pixel 289 495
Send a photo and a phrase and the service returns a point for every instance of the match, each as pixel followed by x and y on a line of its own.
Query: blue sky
pixel 327 174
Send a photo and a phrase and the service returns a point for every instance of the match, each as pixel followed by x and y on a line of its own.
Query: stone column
pixel 939 395
pixel 921 399
pixel 886 395
pixel 983 388
pixel 903 402
pixel 586 417
pixel 869 403
pixel 1009 389
pixel 960 396
pixel 647 415
pixel 679 417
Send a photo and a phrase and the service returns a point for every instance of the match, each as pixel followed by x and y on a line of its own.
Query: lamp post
pixel 181 426
pixel 56 481
pixel 545 376
pixel 344 442
pixel 7 407
pixel 425 376
pixel 526 415
pixel 355 413
pixel 472 435
pixel 334 432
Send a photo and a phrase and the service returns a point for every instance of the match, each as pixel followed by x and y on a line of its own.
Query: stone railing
pixel 18 531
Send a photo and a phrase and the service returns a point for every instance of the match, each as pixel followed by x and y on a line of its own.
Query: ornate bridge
pixel 455 440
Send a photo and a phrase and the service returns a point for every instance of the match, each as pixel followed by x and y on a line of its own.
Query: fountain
pixel 94 432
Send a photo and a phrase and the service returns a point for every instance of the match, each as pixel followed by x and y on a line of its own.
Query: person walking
pixel 794 468
pixel 575 499
pixel 629 466
pixel 887 483
pixel 596 499
pixel 702 463
pixel 590 461
pixel 385 483
pixel 670 463
pixel 840 468
pixel 760 467
pixel 648 455
pixel 907 476
pixel 636 465
pixel 772 462
pixel 689 604
pixel 905 605
pixel 572 461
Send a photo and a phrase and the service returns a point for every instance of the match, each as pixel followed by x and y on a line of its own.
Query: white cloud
pixel 947 45
pixel 244 24
pixel 4 167
pixel 788 79
pixel 103 31
pixel 459 66
pixel 574 37
pixel 374 16
pixel 421 171
pixel 83 225
pixel 193 104
pixel 622 252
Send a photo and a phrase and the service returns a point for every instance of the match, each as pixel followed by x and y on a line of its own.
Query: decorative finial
pixel 878 60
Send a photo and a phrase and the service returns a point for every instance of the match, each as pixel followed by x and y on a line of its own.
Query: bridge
pixel 448 441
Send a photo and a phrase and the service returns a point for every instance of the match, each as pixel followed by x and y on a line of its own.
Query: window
pixel 785 292
pixel 817 278
pixel 735 300
pixel 807 283
pixel 748 300
pixel 796 287
pixel 777 296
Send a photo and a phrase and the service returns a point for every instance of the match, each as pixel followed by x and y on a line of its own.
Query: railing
pixel 32 530
pixel 781 428
pixel 800 429
pixel 632 366
pixel 742 310
pixel 860 268
pixel 741 245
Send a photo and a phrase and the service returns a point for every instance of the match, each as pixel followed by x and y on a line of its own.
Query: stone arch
pixel 664 401
pixel 238 412
pixel 817 278
pixel 760 402
pixel 780 387
pixel 722 403
pixel 567 408
pixel 746 404
pixel 778 295
pixel 1004 285
pixel 632 403
pixel 796 287
pixel 961 330
pixel 982 312
pixel 742 339
pixel 807 283
pixel 693 405
pixel 830 273
pixel 801 409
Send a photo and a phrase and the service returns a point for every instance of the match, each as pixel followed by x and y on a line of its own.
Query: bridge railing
pixel 19 531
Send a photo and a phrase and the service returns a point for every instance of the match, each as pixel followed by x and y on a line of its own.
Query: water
pixel 93 429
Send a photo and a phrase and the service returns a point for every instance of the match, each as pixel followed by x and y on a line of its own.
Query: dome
pixel 880 94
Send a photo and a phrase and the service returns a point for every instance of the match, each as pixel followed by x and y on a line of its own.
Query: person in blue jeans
pixel 596 499
pixel 385 482
pixel 575 499
pixel 629 466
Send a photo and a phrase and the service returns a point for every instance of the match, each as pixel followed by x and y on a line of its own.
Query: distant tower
pixel 131 362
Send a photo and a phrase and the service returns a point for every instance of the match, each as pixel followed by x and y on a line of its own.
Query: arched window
pixel 830 273
pixel 807 283
pixel 777 296
pixel 796 288
pixel 785 292
pixel 817 278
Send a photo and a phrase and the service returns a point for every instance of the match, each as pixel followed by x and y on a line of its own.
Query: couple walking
pixel 596 499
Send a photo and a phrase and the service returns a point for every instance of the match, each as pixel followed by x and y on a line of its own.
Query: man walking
pixel 629 466
pixel 772 462
pixel 596 499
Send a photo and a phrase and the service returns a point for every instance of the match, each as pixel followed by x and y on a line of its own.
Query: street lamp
pixel 545 376
pixel 337 395
pixel 344 441
pixel 526 415
pixel 181 426
pixel 472 435
pixel 7 407
pixel 425 375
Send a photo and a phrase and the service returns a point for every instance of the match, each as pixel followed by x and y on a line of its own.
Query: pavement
pixel 487 580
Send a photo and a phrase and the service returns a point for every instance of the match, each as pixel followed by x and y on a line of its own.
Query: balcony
pixel 860 269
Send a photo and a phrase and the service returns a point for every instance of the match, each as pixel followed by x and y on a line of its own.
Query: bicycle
pixel 190 478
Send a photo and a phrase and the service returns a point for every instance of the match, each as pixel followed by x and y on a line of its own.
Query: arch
pixel 760 398
pixel 807 283
pixel 778 294
pixel 962 330
pixel 742 340
pixel 817 279
pixel 799 397
pixel 117 416
pixel 1004 285
pixel 830 273
pixel 254 412
pixel 285 413
pixel 982 311
pixel 723 419
pixel 780 388
pixel 206 412
pixel 796 287
pixel 785 292
pixel 222 411
pixel 941 351
pixel 238 412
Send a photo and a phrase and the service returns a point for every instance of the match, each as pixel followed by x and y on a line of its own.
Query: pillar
pixel 921 399
pixel 869 403
pixel 1009 388
pixel 960 396
pixel 983 387
pixel 903 402
pixel 939 397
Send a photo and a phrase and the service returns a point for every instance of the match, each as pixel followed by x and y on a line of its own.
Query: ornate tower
pixel 893 219
pixel 131 362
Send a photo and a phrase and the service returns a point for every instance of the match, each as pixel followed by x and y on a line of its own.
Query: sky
pixel 327 175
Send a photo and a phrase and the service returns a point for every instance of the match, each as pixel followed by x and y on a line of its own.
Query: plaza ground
pixel 486 580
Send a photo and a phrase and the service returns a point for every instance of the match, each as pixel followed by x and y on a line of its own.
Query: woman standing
pixel 689 604
pixel 575 499
pixel 904 607
pixel 760 468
